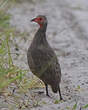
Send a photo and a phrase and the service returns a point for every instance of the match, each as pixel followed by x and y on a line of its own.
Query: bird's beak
pixel 33 19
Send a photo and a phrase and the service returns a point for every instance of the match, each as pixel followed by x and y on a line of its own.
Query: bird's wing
pixel 45 58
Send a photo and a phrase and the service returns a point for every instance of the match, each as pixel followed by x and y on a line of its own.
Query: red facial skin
pixel 39 20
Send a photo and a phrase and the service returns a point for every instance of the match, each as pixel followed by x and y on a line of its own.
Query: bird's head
pixel 41 20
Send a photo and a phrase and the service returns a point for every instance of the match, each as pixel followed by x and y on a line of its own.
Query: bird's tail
pixel 54 88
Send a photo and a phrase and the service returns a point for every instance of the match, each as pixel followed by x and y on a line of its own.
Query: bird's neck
pixel 43 28
pixel 40 37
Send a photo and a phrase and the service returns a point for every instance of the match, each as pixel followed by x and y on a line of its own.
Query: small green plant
pixel 57 101
pixel 68 108
pixel 74 106
pixel 85 106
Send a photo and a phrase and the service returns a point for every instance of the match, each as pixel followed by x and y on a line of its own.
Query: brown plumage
pixel 42 60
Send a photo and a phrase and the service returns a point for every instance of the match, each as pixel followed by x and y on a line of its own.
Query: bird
pixel 42 59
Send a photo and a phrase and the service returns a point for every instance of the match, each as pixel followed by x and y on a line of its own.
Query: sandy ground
pixel 67 33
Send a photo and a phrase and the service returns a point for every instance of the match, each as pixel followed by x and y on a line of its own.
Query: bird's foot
pixel 48 95
pixel 61 99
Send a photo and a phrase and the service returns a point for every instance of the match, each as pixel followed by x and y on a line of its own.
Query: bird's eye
pixel 40 19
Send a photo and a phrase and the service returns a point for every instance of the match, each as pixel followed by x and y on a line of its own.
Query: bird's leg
pixel 60 93
pixel 47 94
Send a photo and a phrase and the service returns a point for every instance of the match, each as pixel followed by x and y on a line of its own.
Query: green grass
pixel 74 106
pixel 8 71
pixel 85 106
